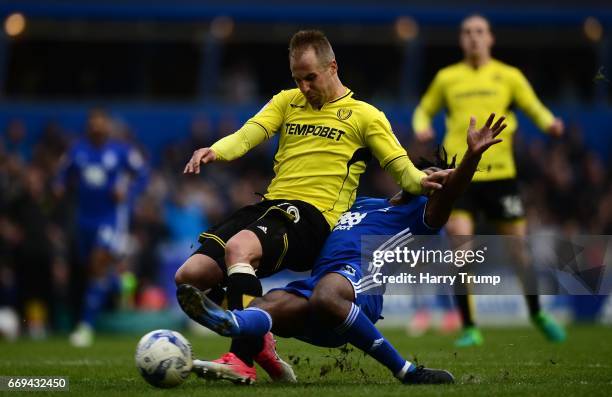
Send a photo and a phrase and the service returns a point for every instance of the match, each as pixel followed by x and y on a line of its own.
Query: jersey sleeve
pixel 391 155
pixel 240 142
pixel 258 128
pixel 430 104
pixel 528 102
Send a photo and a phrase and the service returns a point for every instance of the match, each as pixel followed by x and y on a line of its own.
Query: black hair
pixel 440 160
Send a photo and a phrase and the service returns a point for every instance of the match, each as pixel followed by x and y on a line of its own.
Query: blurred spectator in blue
pixel 185 215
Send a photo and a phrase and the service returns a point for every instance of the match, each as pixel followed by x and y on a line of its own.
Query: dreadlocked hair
pixel 440 160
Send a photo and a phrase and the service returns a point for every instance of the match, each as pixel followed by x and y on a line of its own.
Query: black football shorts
pixel 291 232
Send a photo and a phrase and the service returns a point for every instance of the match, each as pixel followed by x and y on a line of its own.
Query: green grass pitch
pixel 512 362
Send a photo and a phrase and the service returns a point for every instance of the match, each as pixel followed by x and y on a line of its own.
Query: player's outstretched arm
pixel 527 100
pixel 228 148
pixel 257 129
pixel 478 141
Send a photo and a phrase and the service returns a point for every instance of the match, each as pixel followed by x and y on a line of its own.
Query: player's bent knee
pixel 183 277
pixel 328 305
pixel 332 298
pixel 186 274
pixel 200 271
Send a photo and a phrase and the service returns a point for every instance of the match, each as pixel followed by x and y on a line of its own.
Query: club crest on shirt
pixel 349 219
pixel 344 114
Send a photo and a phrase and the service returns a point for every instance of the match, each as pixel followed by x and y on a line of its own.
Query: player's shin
pixel 243 286
pixel 361 332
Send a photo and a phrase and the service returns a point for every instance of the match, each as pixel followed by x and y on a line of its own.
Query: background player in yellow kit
pixel 477 86
pixel 325 138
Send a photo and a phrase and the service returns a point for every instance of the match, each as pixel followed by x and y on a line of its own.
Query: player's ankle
pixel 408 367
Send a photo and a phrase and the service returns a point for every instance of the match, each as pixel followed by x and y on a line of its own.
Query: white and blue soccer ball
pixel 164 358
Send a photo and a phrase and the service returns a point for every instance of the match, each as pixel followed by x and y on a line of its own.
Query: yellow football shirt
pixel 463 92
pixel 321 152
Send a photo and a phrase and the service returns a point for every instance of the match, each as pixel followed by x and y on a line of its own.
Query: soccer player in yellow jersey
pixel 477 86
pixel 325 139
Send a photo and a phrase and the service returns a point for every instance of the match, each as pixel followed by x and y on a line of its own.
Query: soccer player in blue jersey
pixel 106 176
pixel 329 309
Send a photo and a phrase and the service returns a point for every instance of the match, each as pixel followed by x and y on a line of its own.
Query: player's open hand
pixel 479 141
pixel 201 156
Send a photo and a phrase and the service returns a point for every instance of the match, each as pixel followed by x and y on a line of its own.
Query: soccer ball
pixel 164 358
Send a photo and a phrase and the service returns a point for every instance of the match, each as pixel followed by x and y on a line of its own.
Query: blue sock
pixel 360 332
pixel 253 321
pixel 95 298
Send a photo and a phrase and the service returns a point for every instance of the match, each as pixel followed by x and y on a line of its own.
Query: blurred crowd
pixel 566 186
